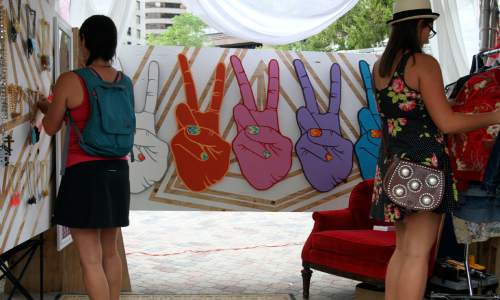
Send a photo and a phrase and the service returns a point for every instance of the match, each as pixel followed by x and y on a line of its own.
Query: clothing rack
pixel 469 285
pixel 489 52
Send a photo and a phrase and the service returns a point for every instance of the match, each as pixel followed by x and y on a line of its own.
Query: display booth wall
pixel 28 173
pixel 158 85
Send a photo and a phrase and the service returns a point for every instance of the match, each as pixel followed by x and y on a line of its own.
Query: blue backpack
pixel 110 128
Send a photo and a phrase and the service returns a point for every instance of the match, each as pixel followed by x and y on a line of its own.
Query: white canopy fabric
pixel 118 11
pixel 269 21
pixel 458 36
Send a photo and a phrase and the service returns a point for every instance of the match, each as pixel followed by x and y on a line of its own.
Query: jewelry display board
pixel 25 150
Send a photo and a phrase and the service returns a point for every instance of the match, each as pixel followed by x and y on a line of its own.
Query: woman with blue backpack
pixel 97 103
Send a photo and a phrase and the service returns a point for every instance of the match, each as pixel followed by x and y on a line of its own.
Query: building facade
pixel 158 14
pixel 136 31
pixel 155 16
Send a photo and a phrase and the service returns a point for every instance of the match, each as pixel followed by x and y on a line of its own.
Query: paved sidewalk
pixel 224 252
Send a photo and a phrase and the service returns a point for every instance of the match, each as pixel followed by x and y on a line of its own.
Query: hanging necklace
pixel 31 192
pixel 45 182
pixel 15 100
pixel 4 108
pixel 15 22
pixel 30 30
pixel 44 45
pixel 31 99
pixel 5 139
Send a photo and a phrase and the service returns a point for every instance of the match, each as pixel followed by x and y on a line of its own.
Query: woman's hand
pixel 43 105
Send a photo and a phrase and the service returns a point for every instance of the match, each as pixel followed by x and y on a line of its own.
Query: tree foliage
pixel 362 27
pixel 186 30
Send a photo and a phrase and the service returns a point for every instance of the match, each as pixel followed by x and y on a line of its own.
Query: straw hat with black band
pixel 412 9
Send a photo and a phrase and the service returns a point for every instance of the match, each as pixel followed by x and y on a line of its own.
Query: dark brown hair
pixel 404 38
pixel 100 36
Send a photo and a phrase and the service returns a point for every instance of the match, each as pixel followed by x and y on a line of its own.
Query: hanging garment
pixel 470 151
pixel 477 217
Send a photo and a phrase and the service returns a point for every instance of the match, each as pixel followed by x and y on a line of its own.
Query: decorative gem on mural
pixel 368 144
pixel 263 153
pixel 150 152
pixel 201 154
pixel 325 156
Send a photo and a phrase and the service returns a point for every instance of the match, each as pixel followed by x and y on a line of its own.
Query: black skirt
pixel 94 194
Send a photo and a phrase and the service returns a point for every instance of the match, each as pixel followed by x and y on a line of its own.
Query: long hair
pixel 404 38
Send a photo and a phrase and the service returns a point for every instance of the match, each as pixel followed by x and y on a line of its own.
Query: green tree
pixel 186 30
pixel 362 27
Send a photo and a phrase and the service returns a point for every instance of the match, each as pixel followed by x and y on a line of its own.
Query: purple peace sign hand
pixel 325 156
pixel 263 153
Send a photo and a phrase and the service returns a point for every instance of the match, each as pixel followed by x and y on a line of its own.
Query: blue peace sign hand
pixel 368 145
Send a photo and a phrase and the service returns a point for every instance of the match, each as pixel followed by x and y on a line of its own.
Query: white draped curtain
pixel 286 21
pixel 458 36
pixel 119 11
pixel 269 21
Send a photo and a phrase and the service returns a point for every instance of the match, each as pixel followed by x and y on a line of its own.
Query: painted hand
pixel 150 152
pixel 263 153
pixel 326 156
pixel 201 154
pixel 368 145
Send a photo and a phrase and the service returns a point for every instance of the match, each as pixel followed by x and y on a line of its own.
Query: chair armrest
pixel 333 220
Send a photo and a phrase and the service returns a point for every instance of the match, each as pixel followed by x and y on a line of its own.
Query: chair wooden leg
pixel 306 281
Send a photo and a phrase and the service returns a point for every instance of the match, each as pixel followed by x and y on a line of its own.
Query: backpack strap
pixel 89 78
pixel 89 82
pixel 130 85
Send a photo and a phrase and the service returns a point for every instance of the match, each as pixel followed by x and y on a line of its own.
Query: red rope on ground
pixel 213 250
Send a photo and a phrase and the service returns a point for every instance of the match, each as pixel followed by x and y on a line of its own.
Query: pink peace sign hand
pixel 263 153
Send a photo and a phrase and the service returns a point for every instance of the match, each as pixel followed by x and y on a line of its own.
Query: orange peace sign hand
pixel 200 153
pixel 210 118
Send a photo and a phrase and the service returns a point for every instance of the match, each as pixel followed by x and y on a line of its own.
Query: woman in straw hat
pixel 415 115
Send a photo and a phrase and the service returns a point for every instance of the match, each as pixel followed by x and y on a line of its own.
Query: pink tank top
pixel 80 115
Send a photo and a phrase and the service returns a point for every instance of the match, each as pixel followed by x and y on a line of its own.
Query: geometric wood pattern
pixel 21 223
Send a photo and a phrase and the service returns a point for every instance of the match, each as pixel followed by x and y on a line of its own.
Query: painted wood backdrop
pixel 166 192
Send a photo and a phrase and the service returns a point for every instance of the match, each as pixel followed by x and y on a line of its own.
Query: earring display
pixel 45 60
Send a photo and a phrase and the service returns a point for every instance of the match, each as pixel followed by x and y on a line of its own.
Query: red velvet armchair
pixel 344 243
